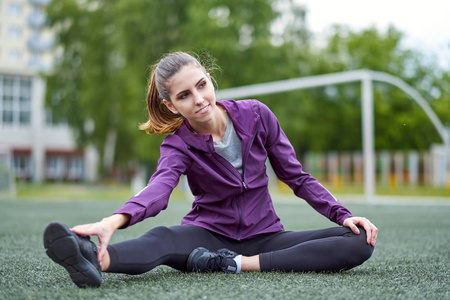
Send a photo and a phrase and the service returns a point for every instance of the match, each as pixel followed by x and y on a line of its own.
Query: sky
pixel 426 24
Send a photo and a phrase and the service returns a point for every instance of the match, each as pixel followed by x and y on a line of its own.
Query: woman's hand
pixel 103 230
pixel 371 230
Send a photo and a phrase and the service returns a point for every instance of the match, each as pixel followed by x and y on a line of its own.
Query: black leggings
pixel 332 249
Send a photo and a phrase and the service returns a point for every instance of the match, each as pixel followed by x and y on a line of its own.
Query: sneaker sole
pixel 62 247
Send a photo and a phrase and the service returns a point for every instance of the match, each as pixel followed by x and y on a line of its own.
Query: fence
pixel 393 168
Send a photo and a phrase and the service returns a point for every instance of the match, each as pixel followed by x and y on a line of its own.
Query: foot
pixel 76 253
pixel 203 260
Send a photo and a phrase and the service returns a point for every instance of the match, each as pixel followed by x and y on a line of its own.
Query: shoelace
pixel 227 253
pixel 217 262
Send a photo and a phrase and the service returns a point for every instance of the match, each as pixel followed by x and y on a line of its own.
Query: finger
pixel 87 229
pixel 354 228
pixel 374 235
pixel 103 241
pixel 80 229
pixel 101 252
pixel 372 232
pixel 368 228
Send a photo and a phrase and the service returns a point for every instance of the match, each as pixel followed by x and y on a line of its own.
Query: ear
pixel 170 106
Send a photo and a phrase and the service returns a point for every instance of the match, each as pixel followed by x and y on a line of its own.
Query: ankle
pixel 250 263
pixel 238 260
pixel 106 260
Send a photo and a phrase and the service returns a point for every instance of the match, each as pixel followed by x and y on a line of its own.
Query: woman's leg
pixel 332 249
pixel 169 246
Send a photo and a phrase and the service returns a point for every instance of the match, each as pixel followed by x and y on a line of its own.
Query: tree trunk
pixel 109 151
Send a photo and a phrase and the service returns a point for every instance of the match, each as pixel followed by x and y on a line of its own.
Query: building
pixel 30 143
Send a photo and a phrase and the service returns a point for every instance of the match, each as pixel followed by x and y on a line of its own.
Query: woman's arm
pixel 289 170
pixel 154 198
pixel 103 230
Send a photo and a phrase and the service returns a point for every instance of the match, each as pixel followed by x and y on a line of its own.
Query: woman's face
pixel 192 95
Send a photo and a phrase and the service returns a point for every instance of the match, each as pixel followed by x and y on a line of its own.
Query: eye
pixel 183 96
pixel 202 85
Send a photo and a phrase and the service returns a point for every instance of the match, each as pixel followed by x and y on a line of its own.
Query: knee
pixel 359 248
pixel 156 236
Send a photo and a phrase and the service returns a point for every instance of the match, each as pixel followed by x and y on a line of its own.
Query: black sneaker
pixel 203 260
pixel 76 253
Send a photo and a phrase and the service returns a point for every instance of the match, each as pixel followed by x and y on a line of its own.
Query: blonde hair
pixel 161 119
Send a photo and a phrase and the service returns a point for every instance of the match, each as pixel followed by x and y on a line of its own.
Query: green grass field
pixel 411 259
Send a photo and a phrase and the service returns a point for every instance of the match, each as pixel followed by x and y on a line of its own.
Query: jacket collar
pixel 243 116
pixel 196 140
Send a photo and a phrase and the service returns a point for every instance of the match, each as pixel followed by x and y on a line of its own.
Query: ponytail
pixel 161 119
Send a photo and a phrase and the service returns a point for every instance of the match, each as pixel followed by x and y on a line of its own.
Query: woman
pixel 222 148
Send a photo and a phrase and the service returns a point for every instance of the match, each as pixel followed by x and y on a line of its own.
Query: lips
pixel 203 110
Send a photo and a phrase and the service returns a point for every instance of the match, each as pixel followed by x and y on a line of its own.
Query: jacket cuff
pixel 341 219
pixel 134 210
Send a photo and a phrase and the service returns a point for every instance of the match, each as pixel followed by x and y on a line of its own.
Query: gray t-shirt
pixel 230 147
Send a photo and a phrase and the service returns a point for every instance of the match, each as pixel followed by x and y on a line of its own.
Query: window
pixel 14 33
pixel 25 102
pixel 55 167
pixel 35 59
pixel 14 56
pixel 75 170
pixel 22 165
pixel 7 109
pixel 14 9
pixel 15 101
pixel 64 166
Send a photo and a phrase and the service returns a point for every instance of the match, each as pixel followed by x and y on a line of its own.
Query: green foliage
pixel 100 77
pixel 331 116
pixel 99 81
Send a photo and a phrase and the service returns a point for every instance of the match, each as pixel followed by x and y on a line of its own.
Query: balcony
pixel 36 19
pixel 37 44
pixel 38 65
pixel 40 2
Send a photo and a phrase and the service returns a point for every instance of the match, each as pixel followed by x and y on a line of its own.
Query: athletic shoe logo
pixel 231 269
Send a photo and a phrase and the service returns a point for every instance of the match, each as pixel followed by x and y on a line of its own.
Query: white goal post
pixel 366 77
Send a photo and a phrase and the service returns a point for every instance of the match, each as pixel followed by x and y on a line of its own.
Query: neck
pixel 216 126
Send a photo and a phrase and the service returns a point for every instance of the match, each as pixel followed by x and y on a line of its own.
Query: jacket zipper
pixel 247 152
pixel 244 161
pixel 244 185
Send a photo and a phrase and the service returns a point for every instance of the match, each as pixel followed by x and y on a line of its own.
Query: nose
pixel 198 99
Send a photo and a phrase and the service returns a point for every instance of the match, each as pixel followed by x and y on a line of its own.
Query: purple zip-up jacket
pixel 226 202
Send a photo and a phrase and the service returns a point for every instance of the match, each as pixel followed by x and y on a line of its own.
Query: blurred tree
pixel 99 81
pixel 333 113
pixel 105 48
